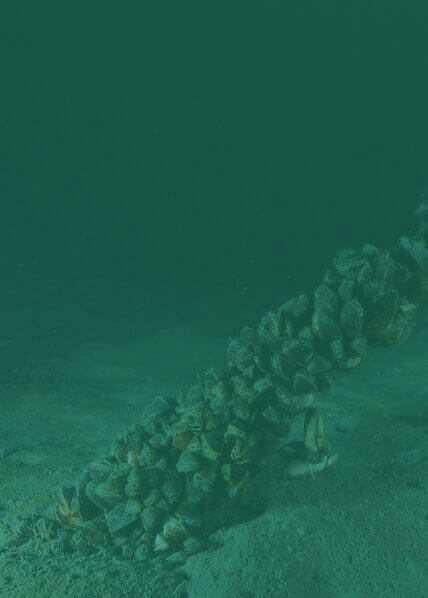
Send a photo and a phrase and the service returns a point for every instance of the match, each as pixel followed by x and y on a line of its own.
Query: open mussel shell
pixel 314 430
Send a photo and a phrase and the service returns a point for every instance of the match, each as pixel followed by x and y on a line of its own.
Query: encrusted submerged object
pixel 170 478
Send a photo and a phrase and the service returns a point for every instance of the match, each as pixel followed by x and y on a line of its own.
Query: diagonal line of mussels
pixel 186 466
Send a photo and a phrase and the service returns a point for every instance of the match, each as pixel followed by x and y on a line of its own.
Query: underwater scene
pixel 213 317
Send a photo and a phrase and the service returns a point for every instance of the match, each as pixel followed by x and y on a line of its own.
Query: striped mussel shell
pixel 304 382
pixel 330 277
pixel 282 393
pixel 172 488
pixel 211 420
pixel 264 391
pixel 416 252
pixel 269 327
pixel 105 494
pixel 151 476
pixel 134 505
pixel 194 445
pixel 337 352
pixel 272 323
pixel 148 455
pixel 235 477
pixel 212 443
pixel 359 346
pixel 325 381
pixel 192 545
pixel 370 291
pixel 253 372
pixel 188 462
pixel 193 397
pixel 286 327
pixel 325 300
pixel 346 289
pixel 240 451
pixel 319 364
pixel 205 479
pixel 381 312
pixel 407 310
pixel 243 387
pixel 346 260
pixel 134 484
pixel 351 318
pixel 158 407
pixel 325 327
pixel 213 375
pixel 365 274
pixel 134 439
pixel 190 513
pixel 176 559
pixel 249 337
pixel 300 403
pixel 152 498
pixel 221 388
pixel 296 307
pixel 370 251
pixel 120 450
pixel 236 428
pixel 384 271
pixel 241 408
pixel 100 469
pixel 282 366
pixel 397 332
pixel 421 211
pixel 218 404
pixel 151 518
pixel 298 351
pixel 273 414
pixel 306 334
pixel 160 544
pixel 159 441
pixel 191 420
pixel 238 355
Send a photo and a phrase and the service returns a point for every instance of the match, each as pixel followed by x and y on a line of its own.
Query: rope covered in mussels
pixel 168 478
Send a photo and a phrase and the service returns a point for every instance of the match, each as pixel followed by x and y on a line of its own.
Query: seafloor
pixel 358 530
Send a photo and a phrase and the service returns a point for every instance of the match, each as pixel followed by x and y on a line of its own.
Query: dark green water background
pixel 174 162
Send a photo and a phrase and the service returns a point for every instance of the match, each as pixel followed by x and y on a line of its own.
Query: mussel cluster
pixel 171 474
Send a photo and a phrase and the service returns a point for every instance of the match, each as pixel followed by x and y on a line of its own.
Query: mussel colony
pixel 170 475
